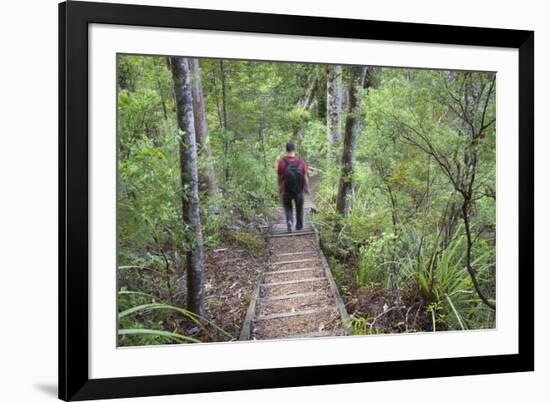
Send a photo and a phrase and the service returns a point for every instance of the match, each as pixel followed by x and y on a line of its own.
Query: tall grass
pixel 153 332
pixel 442 280
pixel 373 249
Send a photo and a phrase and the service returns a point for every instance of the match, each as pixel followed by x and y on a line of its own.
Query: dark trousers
pixel 299 204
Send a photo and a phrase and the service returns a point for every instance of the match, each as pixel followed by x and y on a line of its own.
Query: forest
pixel 402 164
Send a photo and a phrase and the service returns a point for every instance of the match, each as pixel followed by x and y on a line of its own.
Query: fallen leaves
pixel 230 277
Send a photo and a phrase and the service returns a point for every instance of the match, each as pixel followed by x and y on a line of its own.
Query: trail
pixel 296 295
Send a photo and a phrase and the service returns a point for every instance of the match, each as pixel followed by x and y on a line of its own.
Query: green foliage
pixel 363 326
pixel 145 215
pixel 405 213
pixel 372 268
pixel 248 127
pixel 444 283
pixel 314 143
pixel 405 229
pixel 158 335
pixel 154 334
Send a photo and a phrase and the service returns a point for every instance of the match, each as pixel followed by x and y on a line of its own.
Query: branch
pixel 483 126
pixel 371 324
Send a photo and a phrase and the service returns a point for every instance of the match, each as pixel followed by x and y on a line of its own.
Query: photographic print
pixel 314 204
pixel 263 200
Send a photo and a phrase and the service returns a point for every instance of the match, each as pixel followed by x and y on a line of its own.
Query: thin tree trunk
pixel 471 271
pixel 217 99
pixel 334 107
pixel 353 124
pixel 225 125
pixel 201 125
pixel 189 183
pixel 201 128
pixel 162 101
pixel 308 103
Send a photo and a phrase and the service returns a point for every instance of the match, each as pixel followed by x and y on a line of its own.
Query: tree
pixel 308 102
pixel 470 109
pixel 334 105
pixel 411 166
pixel 189 182
pixel 306 106
pixel 225 122
pixel 473 103
pixel 201 127
pixel 353 123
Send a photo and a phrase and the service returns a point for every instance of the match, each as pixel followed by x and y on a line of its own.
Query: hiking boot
pixel 289 226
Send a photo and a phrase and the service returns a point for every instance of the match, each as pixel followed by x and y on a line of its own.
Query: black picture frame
pixel 74 18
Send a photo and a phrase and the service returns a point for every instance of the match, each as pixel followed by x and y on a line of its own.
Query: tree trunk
pixel 201 128
pixel 162 101
pixel 469 244
pixel 224 109
pixel 189 183
pixel 334 105
pixel 308 103
pixel 353 124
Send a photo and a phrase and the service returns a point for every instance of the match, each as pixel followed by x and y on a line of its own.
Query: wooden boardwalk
pixel 296 294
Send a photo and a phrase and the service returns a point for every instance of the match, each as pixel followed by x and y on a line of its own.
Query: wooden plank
pixel 247 324
pixel 291 271
pixel 289 296
pixel 285 231
pixel 282 225
pixel 328 273
pixel 316 265
pixel 294 313
pixel 288 234
pixel 282 219
pixel 298 253
pixel 293 261
pixel 293 282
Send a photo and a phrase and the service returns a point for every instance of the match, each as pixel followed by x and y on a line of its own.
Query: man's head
pixel 290 148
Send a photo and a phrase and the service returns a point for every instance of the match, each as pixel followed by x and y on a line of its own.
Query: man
pixel 293 182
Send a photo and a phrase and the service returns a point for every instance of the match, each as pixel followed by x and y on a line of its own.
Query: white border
pixel 108 361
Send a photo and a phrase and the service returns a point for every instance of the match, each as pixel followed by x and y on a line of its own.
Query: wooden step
pixel 320 300
pixel 282 268
pixel 293 276
pixel 282 225
pixel 286 232
pixel 296 325
pixel 294 313
pixel 293 261
pixel 289 296
pixel 292 271
pixel 291 254
pixel 295 281
pixel 289 234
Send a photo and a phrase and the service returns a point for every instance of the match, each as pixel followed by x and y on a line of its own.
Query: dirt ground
pixel 377 305
pixel 231 276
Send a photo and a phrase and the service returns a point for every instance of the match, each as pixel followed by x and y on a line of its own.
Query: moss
pixel 254 243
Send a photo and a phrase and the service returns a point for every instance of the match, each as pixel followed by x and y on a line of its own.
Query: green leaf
pixel 153 332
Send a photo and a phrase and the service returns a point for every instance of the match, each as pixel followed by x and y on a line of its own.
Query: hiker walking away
pixel 293 182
